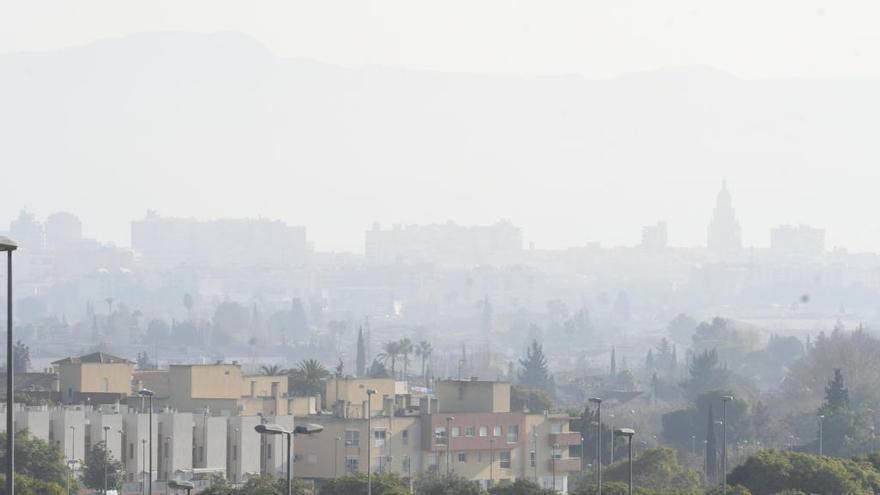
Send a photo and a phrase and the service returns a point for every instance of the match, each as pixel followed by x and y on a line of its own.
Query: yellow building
pixel 94 374
pixel 217 387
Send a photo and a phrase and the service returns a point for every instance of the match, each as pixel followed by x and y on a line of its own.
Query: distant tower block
pixel 725 234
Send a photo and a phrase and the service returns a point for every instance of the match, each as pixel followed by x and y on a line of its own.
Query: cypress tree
pixel 361 354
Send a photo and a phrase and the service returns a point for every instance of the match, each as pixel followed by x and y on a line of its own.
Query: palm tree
pixel 424 350
pixel 188 304
pixel 406 348
pixel 308 378
pixel 272 370
pixel 391 351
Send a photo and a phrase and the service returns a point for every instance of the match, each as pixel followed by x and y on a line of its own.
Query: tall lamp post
pixel 149 395
pixel 628 433
pixel 821 418
pixel 370 393
pixel 598 402
pixel 71 463
pixel 491 462
pixel 449 420
pixel 612 438
pixel 143 464
pixel 553 458
pixel 8 245
pixel 535 446
pixel 273 429
pixel 724 400
pixel 106 454
pixel 336 458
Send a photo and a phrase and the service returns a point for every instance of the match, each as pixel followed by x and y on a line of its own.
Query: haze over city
pixel 440 248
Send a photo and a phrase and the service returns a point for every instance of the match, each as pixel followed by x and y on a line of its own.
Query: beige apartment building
pixel 466 426
pixel 97 375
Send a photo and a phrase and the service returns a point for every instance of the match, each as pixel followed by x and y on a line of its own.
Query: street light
pixel 612 438
pixel 628 433
pixel 143 464
pixel 449 420
pixel 535 445
pixel 274 429
pixel 553 458
pixel 821 417
pixel 598 402
pixel 724 400
pixel 181 485
pixel 491 461
pixel 144 392
pixel 106 430
pixel 72 461
pixel 370 393
pixel 8 245
pixel 336 458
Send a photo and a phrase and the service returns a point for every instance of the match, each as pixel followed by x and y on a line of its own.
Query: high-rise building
pixel 168 242
pixel 27 231
pixel 62 230
pixel 725 234
pixel 654 237
pixel 801 239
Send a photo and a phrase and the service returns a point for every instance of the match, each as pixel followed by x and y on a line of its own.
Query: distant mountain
pixel 215 124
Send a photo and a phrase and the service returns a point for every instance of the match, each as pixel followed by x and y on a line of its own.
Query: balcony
pixel 567 464
pixel 564 439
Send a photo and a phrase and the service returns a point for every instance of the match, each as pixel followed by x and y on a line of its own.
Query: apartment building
pixel 96 377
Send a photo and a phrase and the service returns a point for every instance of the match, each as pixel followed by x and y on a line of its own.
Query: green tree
pixel 705 375
pixel 521 487
pixel 769 472
pixel 535 401
pixel 406 348
pixel 260 484
pixel 535 373
pixel 21 357
pixel 272 370
pixel 446 485
pixel 657 469
pixel 308 378
pixel 424 350
pixel 356 484
pixel 836 394
pixel 36 462
pixel 93 469
pixel 378 370
pixel 390 352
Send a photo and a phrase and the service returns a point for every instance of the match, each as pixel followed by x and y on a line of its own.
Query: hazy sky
pixel 751 39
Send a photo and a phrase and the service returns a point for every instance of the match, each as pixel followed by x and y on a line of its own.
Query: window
pixel 352 438
pixel 462 457
pixel 512 433
pixel 131 451
pixel 484 431
pixel 440 435
pixel 351 464
pixel 201 453
pixel 235 452
pixel 557 454
pixel 556 428
pixel 470 431
pixel 166 449
pixel 504 459
pixel 268 451
pixel 532 458
pixel 379 438
pixel 404 437
pixel 496 431
pixel 456 432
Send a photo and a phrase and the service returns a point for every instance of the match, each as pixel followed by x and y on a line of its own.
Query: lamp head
pixel 145 392
pixel 181 485
pixel 308 429
pixel 625 432
pixel 726 398
pixel 371 391
pixel 7 244
pixel 595 400
pixel 270 429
